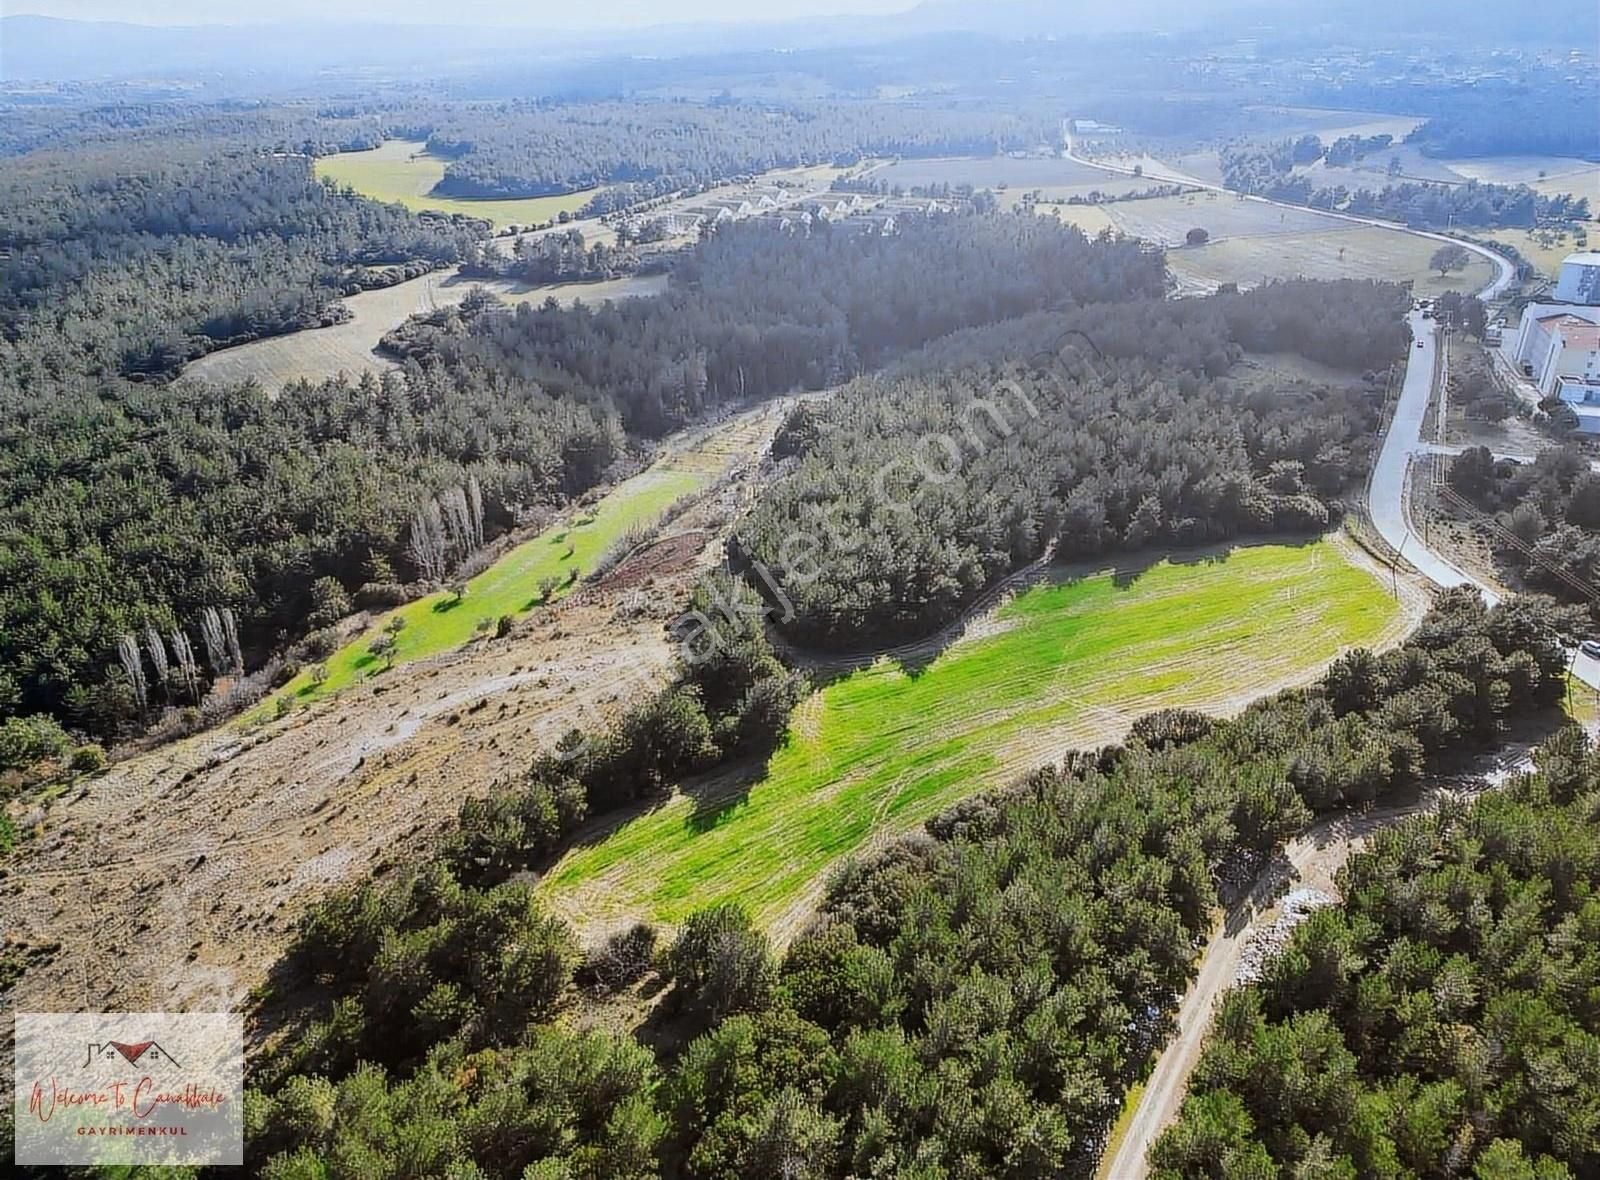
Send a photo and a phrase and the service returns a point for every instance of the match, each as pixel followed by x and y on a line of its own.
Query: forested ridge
pixel 752 312
pixel 1442 1020
pixel 114 270
pixel 124 506
pixel 911 492
pixel 533 149
pixel 970 1002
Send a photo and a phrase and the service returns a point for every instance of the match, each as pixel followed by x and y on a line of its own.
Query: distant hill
pixel 35 48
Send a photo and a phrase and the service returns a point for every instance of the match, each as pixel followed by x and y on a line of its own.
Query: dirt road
pixel 1313 860
pixel 173 881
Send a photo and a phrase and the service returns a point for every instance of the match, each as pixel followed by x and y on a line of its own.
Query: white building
pixel 1540 349
pixel 1582 396
pixel 1580 280
pixel 1562 346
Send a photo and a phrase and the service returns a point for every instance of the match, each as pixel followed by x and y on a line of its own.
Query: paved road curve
pixel 1387 502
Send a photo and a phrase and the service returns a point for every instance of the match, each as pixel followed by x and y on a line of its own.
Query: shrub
pixel 382 595
pixel 88 759
pixel 25 741
pixel 720 964
pixel 321 644
pixel 329 603
pixel 622 959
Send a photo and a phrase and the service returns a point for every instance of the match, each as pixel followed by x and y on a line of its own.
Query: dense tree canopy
pixel 970 1002
pixel 531 149
pixel 124 505
pixel 906 495
pixel 1441 1021
pixel 752 312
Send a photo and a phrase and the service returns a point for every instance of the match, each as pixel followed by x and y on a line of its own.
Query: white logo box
pixel 129 1088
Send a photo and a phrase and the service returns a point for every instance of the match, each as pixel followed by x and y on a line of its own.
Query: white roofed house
pixel 1582 397
pixel 1556 345
pixel 1529 347
pixel 1576 371
pixel 737 206
pixel 867 223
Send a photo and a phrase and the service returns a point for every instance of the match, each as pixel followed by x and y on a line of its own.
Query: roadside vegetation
pixel 1443 1014
pixel 1542 518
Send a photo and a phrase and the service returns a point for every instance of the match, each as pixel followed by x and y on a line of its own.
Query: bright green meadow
pixel 1060 665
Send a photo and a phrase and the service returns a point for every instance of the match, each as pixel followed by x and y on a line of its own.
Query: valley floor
pixel 1069 663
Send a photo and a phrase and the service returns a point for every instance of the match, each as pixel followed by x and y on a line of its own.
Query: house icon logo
pixel 147 1053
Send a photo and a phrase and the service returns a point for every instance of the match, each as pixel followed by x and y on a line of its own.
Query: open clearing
pixel 1331 124
pixel 401 171
pixel 1252 241
pixel 1547 174
pixel 1550 175
pixel 1091 219
pixel 566 551
pixel 1349 252
pixel 317 353
pixel 1029 172
pixel 1165 220
pixel 1066 664
pixel 173 880
pixel 1544 248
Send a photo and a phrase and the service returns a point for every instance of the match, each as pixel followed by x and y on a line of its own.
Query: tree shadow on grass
pixel 913 656
pixel 712 797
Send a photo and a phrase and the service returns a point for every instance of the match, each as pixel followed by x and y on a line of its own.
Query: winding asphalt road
pixel 1388 504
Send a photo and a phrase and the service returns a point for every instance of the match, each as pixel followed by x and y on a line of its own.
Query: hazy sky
pixel 549 15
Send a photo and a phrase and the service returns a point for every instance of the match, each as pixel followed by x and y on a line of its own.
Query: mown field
pixel 566 551
pixel 1223 215
pixel 882 749
pixel 316 353
pixel 1354 251
pixel 1545 248
pixel 1252 241
pixel 400 171
pixel 1331 124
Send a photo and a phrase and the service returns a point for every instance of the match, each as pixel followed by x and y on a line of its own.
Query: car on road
pixel 1419 344
pixel 1590 648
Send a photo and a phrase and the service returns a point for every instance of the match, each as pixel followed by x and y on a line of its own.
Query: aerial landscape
pixel 868 589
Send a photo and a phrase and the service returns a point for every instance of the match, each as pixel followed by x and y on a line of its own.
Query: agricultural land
pixel 402 171
pixel 1063 665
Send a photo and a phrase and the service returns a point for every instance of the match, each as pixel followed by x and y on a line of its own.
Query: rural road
pixel 1314 856
pixel 1330 842
pixel 1388 501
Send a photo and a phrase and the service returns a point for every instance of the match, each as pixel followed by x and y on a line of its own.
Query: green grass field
pixel 1547 249
pixel 511 585
pixel 1339 252
pixel 399 171
pixel 1059 666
